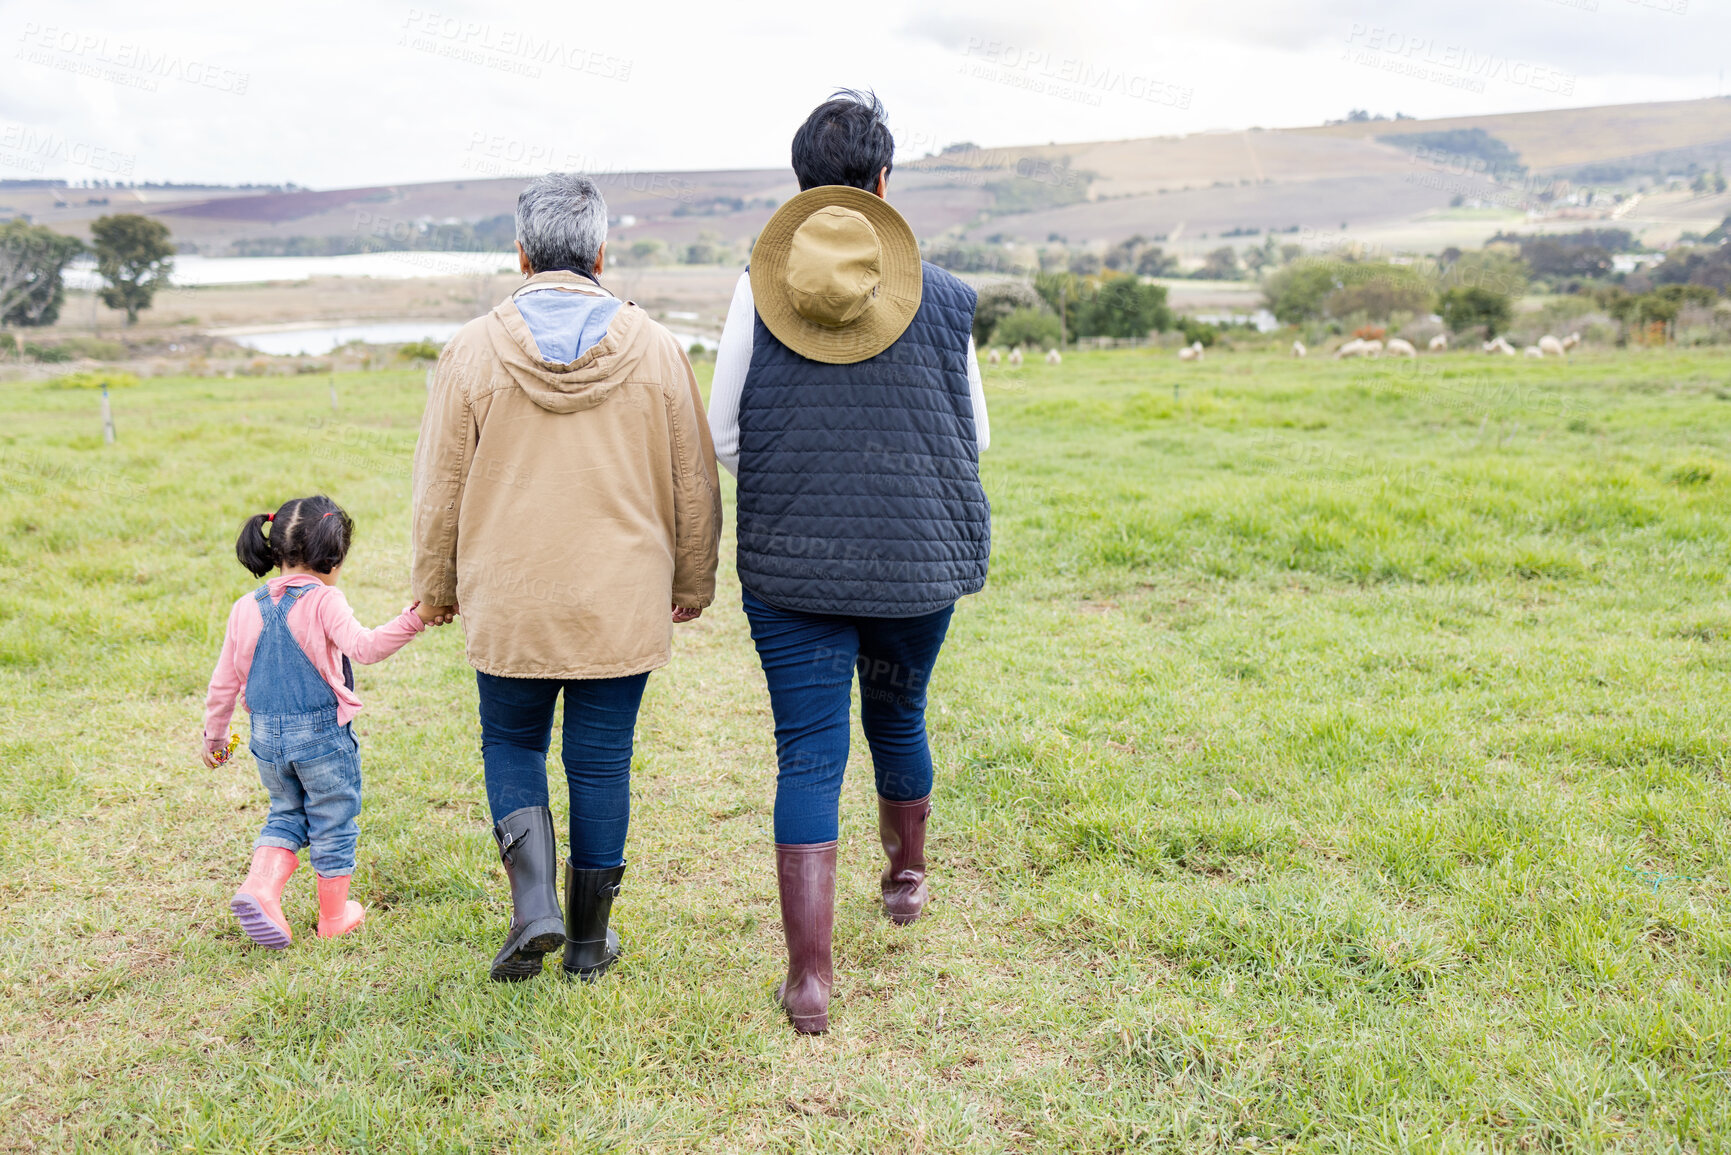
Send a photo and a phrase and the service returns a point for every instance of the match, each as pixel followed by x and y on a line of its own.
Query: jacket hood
pixel 576 307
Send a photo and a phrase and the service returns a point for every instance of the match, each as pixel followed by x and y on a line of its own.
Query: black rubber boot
pixel 526 847
pixel 591 946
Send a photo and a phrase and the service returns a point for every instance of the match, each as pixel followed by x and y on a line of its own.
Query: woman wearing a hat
pixel 847 401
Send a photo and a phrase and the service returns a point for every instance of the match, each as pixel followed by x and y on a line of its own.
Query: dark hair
pixel 309 531
pixel 844 141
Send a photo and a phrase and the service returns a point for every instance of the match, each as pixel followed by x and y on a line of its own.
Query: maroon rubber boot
pixel 806 876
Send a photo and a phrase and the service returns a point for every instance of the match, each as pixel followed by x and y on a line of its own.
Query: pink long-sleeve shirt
pixel 326 629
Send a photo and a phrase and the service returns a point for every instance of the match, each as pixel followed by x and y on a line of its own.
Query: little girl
pixel 288 648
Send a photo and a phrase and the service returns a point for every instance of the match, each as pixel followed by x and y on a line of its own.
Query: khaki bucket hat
pixel 836 274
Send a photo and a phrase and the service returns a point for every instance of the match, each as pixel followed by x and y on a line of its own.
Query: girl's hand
pixel 681 615
pixel 434 615
pixel 216 751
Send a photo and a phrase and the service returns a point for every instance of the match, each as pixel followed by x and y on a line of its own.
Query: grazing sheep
pixel 1357 347
pixel 1550 346
pixel 1397 347
pixel 1373 348
pixel 1498 345
pixel 992 357
pixel 1571 340
pixel 1533 351
pixel 1053 357
pixel 1191 352
pixel 1298 349
pixel 1016 357
pixel 1439 343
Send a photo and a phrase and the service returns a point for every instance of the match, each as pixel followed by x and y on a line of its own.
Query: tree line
pixel 134 257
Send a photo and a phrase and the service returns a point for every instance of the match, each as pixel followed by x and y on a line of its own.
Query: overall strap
pixel 278 609
pixel 284 679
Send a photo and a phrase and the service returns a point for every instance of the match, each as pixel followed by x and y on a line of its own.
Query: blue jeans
pixel 600 718
pixel 809 661
pixel 311 767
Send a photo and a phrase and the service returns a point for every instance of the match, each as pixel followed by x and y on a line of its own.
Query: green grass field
pixel 1337 761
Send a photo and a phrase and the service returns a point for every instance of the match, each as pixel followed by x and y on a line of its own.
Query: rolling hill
pixel 1316 185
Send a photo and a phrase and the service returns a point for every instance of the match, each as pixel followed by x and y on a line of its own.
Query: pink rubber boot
pixel 258 903
pixel 338 914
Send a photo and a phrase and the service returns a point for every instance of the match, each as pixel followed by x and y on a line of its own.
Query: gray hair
pixel 562 222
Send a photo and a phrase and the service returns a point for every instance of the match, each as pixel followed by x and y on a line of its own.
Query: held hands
pixel 435 615
pixel 681 615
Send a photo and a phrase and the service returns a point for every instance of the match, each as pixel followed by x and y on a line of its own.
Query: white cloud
pixel 332 94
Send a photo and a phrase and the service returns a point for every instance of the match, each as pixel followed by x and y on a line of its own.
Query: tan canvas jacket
pixel 566 508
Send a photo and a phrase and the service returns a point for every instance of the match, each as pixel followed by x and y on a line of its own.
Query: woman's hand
pixel 681 615
pixel 435 615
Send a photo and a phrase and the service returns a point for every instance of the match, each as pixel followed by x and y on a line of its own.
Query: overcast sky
pixel 332 94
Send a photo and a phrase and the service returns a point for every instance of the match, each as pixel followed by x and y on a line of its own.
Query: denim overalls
pixel 310 765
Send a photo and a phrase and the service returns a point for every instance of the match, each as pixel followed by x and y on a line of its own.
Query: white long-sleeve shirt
pixel 733 360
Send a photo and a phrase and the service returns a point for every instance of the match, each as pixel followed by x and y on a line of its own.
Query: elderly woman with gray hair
pixel 566 498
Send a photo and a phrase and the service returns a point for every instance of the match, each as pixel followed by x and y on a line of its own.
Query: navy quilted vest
pixel 859 485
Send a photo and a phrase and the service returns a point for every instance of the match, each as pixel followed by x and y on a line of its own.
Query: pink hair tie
pixel 270 517
pixel 322 516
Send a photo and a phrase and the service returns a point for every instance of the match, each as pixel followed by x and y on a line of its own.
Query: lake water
pixel 193 270
pixel 316 342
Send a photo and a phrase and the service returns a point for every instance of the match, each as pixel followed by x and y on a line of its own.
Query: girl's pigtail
pixel 254 549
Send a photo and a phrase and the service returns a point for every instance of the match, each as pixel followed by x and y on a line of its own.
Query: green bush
pixel 997 300
pixel 424 350
pixel 1030 328
pixel 1195 331
pixel 1472 306
pixel 1497 270
pixel 95 379
pixel 1220 265
pixel 47 354
pixel 1326 288
pixel 1123 307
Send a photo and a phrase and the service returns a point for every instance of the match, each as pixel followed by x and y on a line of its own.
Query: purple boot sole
pixel 257 923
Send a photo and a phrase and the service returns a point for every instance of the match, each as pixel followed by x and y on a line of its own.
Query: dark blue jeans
pixel 809 661
pixel 600 718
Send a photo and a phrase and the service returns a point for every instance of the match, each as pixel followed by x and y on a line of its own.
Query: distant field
pixel 1337 761
pixel 1314 178
pixel 1559 137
